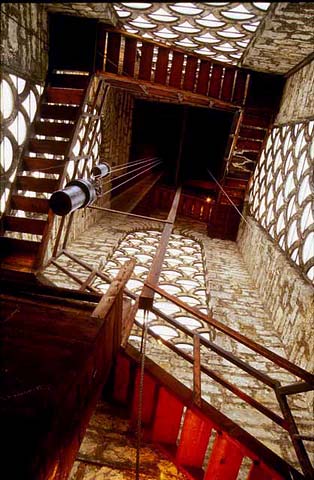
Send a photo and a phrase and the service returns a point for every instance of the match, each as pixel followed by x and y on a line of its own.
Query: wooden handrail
pixel 274 357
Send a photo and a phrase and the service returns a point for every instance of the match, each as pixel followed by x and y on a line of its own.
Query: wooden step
pixel 54 129
pixel 37 184
pixel 58 112
pixel 225 460
pixel 29 204
pixel 73 96
pixel 18 254
pixel 24 225
pixel 46 165
pixel 47 146
pixel 69 80
pixel 166 427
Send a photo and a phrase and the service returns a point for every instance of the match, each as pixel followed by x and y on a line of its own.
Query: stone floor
pixel 108 452
pixel 233 300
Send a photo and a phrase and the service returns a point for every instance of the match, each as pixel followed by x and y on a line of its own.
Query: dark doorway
pixel 157 131
pixel 72 43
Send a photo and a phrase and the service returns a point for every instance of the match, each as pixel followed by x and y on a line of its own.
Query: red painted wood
pixel 190 73
pixel 146 61
pixel 251 133
pixel 194 439
pixel 258 473
pixel 121 379
pixel 176 70
pixel 226 92
pixel 148 399
pixel 167 418
pixel 161 66
pixel 225 460
pixel 129 56
pixel 215 81
pixel 239 89
pixel 203 77
pixel 113 52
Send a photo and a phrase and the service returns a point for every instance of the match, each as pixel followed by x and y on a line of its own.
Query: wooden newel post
pixel 197 395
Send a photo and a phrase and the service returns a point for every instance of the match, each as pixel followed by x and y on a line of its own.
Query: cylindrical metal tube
pixel 101 170
pixel 76 194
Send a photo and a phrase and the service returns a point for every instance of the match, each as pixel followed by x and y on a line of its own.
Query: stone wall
pixel 117 127
pixel 298 97
pixel 24 44
pixel 287 295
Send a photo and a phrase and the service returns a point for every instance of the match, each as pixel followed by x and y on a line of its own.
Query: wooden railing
pixel 305 384
pixel 132 56
pixel 87 120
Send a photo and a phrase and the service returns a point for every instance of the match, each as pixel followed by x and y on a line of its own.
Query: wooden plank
pixel 190 73
pixel 146 61
pixel 47 146
pixel 53 129
pixel 48 165
pixel 215 81
pixel 58 112
pixel 129 56
pixel 239 88
pixel 257 472
pixel 167 418
pixel 194 439
pixel 297 387
pixel 149 388
pixel 247 144
pixel 162 65
pixel 113 52
pixel 197 369
pixel 24 224
pixel 227 84
pixel 147 294
pixel 117 286
pixel 225 460
pixel 176 70
pixel 203 77
pixel 35 184
pixel 73 96
pixel 122 374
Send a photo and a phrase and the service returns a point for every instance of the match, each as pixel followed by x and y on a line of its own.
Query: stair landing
pixel 108 451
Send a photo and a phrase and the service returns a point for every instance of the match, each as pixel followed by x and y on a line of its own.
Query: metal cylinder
pixel 76 194
pixel 101 170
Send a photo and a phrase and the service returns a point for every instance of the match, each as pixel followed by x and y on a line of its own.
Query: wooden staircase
pixel 26 224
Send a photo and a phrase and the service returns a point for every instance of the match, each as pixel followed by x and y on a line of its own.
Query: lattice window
pixel 282 192
pixel 19 99
pixel 182 275
pixel 218 30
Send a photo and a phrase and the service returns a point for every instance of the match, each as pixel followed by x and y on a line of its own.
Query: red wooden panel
pixel 129 56
pixel 227 85
pixel 260 119
pixel 215 81
pixel 247 132
pixel 246 144
pixel 122 379
pixel 146 61
pixel 161 65
pixel 239 89
pixel 167 418
pixel 203 77
pixel 113 52
pixel 176 70
pixel 190 73
pixel 257 472
pixel 194 440
pixel 148 399
pixel 225 460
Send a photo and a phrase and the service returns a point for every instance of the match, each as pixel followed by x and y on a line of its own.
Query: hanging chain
pixel 141 389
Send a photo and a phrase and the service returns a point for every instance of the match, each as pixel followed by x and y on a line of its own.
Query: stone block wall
pixel 288 297
pixel 24 44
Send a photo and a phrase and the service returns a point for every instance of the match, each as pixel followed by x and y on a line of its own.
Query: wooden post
pixel 147 294
pixel 197 392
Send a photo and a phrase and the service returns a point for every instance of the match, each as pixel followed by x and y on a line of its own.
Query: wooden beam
pixel 147 294
pixel 144 217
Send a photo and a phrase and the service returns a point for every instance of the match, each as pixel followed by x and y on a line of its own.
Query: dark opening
pixel 72 43
pixel 157 131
